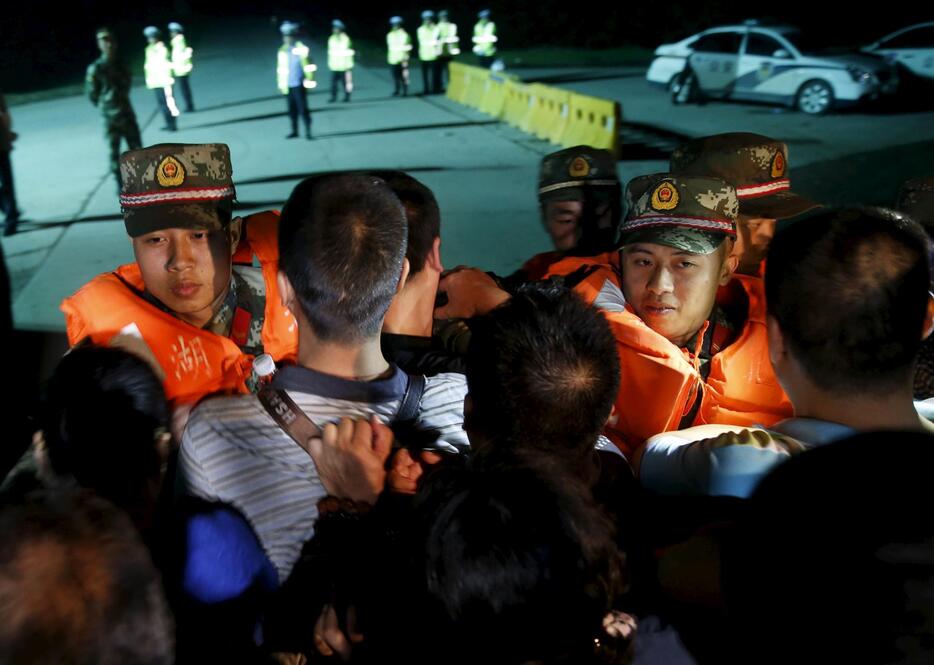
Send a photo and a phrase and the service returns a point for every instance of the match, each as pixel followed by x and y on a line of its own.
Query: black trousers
pixel 185 87
pixel 298 106
pixel 119 129
pixel 7 192
pixel 486 61
pixel 431 77
pixel 400 76
pixel 443 73
pixel 340 79
pixel 163 105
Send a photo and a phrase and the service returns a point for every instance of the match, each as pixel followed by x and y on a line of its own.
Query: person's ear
pixel 286 292
pixel 730 263
pixel 928 318
pixel 234 233
pixel 403 276
pixel 434 256
pixel 777 346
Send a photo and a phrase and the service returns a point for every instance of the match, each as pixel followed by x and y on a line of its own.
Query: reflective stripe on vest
pixel 158 68
pixel 340 53
pixel 181 56
pixel 399 45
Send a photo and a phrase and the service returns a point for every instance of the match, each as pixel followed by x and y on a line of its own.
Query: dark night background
pixel 45 43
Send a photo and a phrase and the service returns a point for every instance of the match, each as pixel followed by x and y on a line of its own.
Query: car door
pixel 762 59
pixel 913 49
pixel 714 61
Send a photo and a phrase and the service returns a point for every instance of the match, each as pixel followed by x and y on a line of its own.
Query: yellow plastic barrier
pixel 518 105
pixel 593 121
pixel 550 112
pixel 494 96
pixel 457 82
pixel 476 88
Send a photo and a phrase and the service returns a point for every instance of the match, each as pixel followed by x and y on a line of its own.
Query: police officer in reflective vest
pixel 296 75
pixel 484 38
pixel 399 49
pixel 450 45
pixel 429 48
pixel 159 76
pixel 340 60
pixel 181 62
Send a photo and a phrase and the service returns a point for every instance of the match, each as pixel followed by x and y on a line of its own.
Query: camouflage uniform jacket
pixel 108 87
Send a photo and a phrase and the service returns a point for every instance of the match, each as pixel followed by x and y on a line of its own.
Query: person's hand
pixel 470 292
pixel 406 470
pixel 330 639
pixel 351 457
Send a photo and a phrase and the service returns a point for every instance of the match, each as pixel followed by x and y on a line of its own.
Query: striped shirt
pixel 233 451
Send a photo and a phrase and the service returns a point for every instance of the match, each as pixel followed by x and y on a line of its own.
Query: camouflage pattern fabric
pixel 564 174
pixel 108 87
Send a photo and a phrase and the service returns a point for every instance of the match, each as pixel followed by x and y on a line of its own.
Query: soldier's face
pixel 672 290
pixel 187 270
pixel 753 235
pixel 106 45
pixel 562 221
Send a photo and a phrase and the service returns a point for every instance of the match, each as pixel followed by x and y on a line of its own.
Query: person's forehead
pixel 657 249
pixel 570 204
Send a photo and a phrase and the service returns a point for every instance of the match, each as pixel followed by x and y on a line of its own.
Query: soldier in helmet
pixel 295 75
pixel 159 78
pixel 340 60
pixel 181 62
pixel 108 87
pixel 399 49
pixel 192 302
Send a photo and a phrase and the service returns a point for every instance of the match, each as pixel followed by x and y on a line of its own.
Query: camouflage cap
pixel 916 198
pixel 691 213
pixel 565 173
pixel 175 185
pixel 755 165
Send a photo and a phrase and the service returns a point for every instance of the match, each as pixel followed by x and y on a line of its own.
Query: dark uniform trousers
pixel 431 77
pixel 185 87
pixel 298 106
pixel 7 193
pixel 400 78
pixel 339 79
pixel 163 105
pixel 120 128
pixel 443 72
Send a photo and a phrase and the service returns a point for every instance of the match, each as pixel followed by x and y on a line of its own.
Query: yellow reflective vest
pixel 158 68
pixel 399 46
pixel 282 70
pixel 340 53
pixel 484 38
pixel 450 42
pixel 181 56
pixel 429 42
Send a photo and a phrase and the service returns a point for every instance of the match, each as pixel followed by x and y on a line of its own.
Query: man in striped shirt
pixel 342 242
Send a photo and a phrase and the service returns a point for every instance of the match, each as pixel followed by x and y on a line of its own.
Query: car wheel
pixel 684 88
pixel 815 97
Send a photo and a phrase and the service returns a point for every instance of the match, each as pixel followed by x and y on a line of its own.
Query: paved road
pixel 482 172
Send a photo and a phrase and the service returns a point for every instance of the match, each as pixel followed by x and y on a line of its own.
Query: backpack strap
pixel 289 416
pixel 412 399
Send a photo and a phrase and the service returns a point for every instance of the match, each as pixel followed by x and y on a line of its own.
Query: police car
pixel 776 64
pixel 911 48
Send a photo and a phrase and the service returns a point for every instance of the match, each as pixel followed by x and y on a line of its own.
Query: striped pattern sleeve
pixel 442 410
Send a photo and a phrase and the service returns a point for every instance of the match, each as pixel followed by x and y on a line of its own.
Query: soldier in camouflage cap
pixel 191 265
pixel 107 85
pixel 676 242
pixel 579 193
pixel 757 166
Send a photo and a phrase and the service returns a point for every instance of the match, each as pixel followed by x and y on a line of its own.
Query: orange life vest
pixel 195 362
pixel 659 382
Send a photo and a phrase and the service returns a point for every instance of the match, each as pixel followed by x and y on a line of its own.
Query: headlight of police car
pixel 860 75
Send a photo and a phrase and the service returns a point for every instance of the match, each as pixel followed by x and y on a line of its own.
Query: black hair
pixel 849 291
pixel 342 241
pixel 542 370
pixel 421 212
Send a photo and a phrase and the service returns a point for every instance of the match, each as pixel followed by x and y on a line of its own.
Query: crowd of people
pixel 688 433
